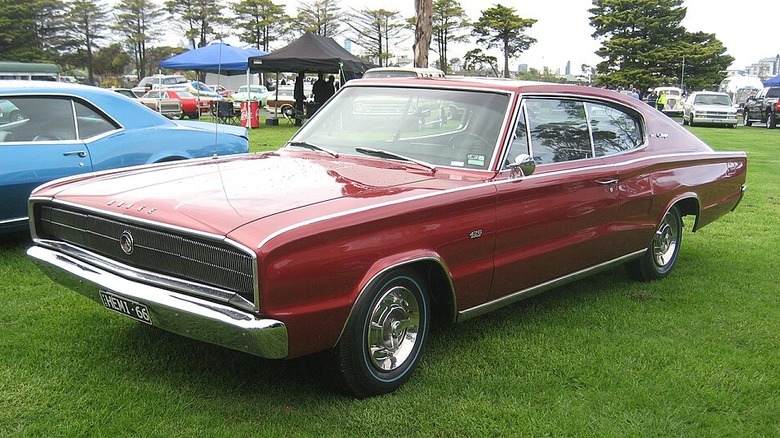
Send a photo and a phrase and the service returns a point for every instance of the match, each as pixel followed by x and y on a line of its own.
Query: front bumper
pixel 705 120
pixel 172 311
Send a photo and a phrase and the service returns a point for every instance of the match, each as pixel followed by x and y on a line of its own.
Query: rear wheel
pixel 385 335
pixel 771 120
pixel 659 258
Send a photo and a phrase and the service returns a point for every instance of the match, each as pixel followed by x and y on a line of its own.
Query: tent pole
pixel 248 100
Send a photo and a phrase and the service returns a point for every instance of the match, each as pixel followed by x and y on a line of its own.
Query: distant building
pixel 765 68
pixel 568 69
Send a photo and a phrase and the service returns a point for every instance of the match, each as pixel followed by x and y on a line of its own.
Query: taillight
pixel 777 106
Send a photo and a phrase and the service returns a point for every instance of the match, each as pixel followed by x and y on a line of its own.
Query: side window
pixel 613 130
pixel 519 140
pixel 40 119
pixel 90 122
pixel 559 130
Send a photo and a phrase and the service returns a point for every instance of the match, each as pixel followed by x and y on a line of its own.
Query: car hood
pixel 212 127
pixel 218 196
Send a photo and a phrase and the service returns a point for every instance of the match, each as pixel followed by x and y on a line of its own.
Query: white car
pixel 709 108
pixel 255 93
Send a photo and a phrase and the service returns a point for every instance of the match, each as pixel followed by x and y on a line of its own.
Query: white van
pixel 403 72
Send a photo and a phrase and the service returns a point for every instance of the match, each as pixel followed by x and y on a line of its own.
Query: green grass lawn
pixel 694 355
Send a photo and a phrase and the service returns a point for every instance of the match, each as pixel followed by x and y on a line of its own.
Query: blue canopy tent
pixel 220 58
pixel 772 82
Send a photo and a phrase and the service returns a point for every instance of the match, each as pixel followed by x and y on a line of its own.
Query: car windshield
pixel 453 128
pixel 712 99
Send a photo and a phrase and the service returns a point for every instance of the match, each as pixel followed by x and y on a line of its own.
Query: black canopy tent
pixel 311 54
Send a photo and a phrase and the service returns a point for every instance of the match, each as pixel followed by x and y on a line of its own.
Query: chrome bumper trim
pixel 172 311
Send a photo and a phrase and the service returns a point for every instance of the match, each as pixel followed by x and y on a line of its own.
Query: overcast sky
pixel 563 31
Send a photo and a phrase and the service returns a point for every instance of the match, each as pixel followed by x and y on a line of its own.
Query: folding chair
pixel 225 113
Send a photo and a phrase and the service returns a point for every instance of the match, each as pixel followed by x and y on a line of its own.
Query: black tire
pixel 771 120
pixel 746 118
pixel 661 255
pixel 690 122
pixel 384 338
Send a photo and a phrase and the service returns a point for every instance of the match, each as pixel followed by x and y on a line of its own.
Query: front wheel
pixel 385 335
pixel 659 258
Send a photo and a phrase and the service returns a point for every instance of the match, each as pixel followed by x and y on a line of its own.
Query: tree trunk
pixel 422 32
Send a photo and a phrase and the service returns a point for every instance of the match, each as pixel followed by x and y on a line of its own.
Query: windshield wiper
pixel 387 154
pixel 314 147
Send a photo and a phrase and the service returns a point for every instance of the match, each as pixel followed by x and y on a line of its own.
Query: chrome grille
pixel 199 260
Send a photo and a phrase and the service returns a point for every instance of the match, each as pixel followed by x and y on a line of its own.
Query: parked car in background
pixel 764 107
pixel 70 129
pixel 161 102
pixel 374 223
pixel 157 81
pixel 191 106
pixel 674 99
pixel 127 92
pixel 255 93
pixel 403 72
pixel 196 88
pixel 709 108
pixel 221 90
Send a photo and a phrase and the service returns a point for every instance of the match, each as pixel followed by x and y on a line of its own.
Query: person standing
pixel 300 97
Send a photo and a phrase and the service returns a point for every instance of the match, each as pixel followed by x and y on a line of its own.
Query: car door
pixel 37 148
pixel 558 220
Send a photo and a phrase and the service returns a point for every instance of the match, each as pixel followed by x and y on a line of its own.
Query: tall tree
pixel 139 22
pixel 320 17
pixel 260 22
pixel 377 30
pixel 111 60
pixel 449 26
pixel 643 43
pixel 198 19
pixel 32 30
pixel 88 19
pixel 422 32
pixel 474 61
pixel 499 27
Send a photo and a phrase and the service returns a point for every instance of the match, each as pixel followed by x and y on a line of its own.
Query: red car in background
pixel 191 106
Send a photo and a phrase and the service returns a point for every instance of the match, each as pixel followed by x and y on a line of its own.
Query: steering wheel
pixel 468 140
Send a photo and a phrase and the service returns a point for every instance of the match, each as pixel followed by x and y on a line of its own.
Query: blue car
pixel 59 129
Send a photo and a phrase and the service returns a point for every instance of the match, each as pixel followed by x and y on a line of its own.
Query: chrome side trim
pixel 172 311
pixel 484 308
pixel 14 220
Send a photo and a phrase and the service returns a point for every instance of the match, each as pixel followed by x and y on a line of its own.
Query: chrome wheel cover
pixel 393 328
pixel 665 242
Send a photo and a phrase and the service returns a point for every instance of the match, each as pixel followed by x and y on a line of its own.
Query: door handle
pixel 607 182
pixel 81 154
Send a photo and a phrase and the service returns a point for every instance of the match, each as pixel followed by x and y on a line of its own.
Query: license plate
pixel 126 307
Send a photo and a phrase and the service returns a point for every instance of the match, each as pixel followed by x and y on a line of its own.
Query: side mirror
pixel 524 165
